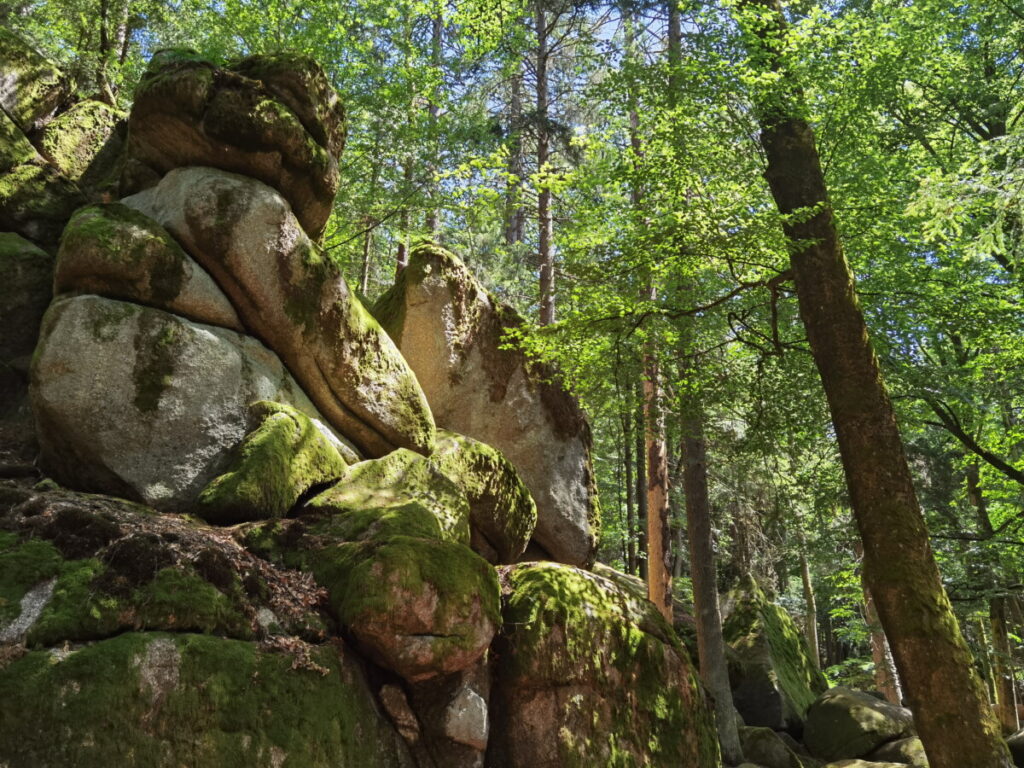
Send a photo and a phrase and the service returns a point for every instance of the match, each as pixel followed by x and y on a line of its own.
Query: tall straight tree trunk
pixel 1002 667
pixel 434 109
pixel 402 258
pixel 641 495
pixel 659 538
pixel 887 680
pixel 627 439
pixel 714 670
pixel 515 214
pixel 952 716
pixel 810 608
pixel 546 247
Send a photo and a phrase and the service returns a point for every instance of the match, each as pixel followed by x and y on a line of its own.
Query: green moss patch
pixel 278 462
pixel 151 700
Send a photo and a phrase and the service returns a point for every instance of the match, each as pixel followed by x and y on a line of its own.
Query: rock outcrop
pixel 598 678
pixel 85 144
pixel 31 88
pixel 274 118
pixel 844 723
pixel 291 296
pixel 144 404
pixel 773 679
pixel 451 332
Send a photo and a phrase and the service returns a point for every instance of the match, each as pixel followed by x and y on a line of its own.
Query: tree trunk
pixel 641 497
pixel 714 670
pixel 887 680
pixel 434 109
pixel 659 573
pixel 402 257
pixel 810 609
pixel 515 214
pixel 1002 667
pixel 545 248
pixel 953 719
pixel 627 439
pixel 364 271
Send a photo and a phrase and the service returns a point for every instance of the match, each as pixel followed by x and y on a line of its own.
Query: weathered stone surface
pixel 292 296
pixel 587 674
pixel 274 118
pixel 284 457
pixel 765 747
pixel 450 330
pixel 454 713
pixel 25 292
pixel 30 88
pixel 84 143
pixel 502 512
pixel 908 751
pixel 402 493
pixel 418 607
pixel 117 252
pixel 15 148
pixel 185 699
pixel 144 404
pixel 683 622
pixel 773 678
pixel 36 201
pixel 844 723
pixel 1016 745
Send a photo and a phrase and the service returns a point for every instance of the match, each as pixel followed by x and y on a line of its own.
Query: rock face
pixel 765 747
pixel 598 679
pixel 85 144
pixel 247 691
pixel 909 751
pixel 1016 745
pixel 116 252
pixel 773 679
pixel 450 330
pixel 145 404
pixel 31 89
pixel 274 118
pixel 290 295
pixel 849 724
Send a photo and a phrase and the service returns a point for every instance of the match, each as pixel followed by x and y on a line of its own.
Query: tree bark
pixel 627 439
pixel 887 680
pixel 434 110
pixel 953 719
pixel 659 573
pixel 515 214
pixel 810 609
pixel 545 248
pixel 402 257
pixel 641 496
pixel 1002 667
pixel 714 670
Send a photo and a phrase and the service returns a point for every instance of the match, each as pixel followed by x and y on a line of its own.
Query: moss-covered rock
pixel 25 292
pixel 765 747
pixel 587 674
pixel 152 700
pixel 15 148
pixel 114 251
pixel 844 723
pixel 75 568
pixel 283 458
pixel 36 201
pixel 294 297
pixel 84 144
pixel 453 334
pixel 419 607
pixel 402 494
pixel 502 514
pixel 143 404
pixel 908 751
pixel 31 88
pixel 773 679
pixel 274 118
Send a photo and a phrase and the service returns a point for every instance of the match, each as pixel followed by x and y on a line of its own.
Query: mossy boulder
pixel 114 251
pixel 36 201
pixel 453 334
pixel 502 514
pixel 273 118
pixel 152 700
pixel 15 148
pixel 31 88
pixel 76 568
pixel 844 723
pixel 293 296
pixel 773 678
pixel 402 493
pixel 863 764
pixel 418 607
pixel 909 751
pixel 25 293
pixel 85 144
pixel 587 674
pixel 765 747
pixel 283 458
pixel 143 404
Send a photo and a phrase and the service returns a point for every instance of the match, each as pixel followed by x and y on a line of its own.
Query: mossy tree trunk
pixel 810 608
pixel 1002 667
pixel 714 670
pixel 953 719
